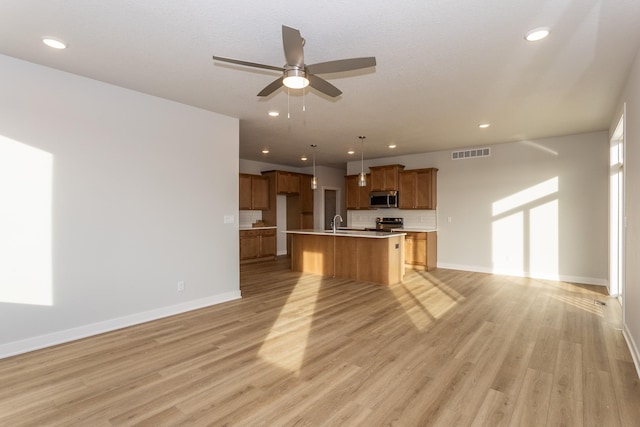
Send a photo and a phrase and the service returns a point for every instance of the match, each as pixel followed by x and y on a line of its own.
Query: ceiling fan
pixel 296 74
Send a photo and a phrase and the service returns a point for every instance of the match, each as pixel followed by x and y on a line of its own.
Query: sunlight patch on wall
pixel 508 243
pixel 543 238
pixel 25 224
pixel 526 196
pixel 525 232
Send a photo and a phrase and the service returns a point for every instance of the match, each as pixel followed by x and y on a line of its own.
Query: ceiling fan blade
pixel 323 86
pixel 271 87
pixel 342 65
pixel 248 64
pixel 292 42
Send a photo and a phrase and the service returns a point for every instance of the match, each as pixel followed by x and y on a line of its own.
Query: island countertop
pixel 347 233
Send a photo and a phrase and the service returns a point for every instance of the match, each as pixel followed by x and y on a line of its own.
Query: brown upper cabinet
pixel 299 196
pixel 254 192
pixel 418 189
pixel 306 194
pixel 385 178
pixel 357 197
pixel 287 182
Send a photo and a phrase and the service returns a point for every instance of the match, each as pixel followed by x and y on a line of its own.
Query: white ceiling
pixel 443 66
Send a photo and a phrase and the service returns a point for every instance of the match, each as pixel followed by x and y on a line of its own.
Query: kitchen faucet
pixel 333 222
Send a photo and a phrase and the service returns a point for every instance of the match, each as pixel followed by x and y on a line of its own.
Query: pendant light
pixel 314 180
pixel 362 178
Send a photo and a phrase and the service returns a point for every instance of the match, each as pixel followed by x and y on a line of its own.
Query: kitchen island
pixel 367 256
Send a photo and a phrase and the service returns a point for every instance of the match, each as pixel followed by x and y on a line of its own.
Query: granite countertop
pixel 347 233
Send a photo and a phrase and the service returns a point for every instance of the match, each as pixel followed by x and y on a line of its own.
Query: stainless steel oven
pixel 388 224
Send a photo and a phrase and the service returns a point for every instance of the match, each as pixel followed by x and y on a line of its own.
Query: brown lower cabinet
pixel 420 249
pixel 257 244
pixel 376 260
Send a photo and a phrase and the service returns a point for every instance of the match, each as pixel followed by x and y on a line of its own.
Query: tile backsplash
pixel 426 219
pixel 246 218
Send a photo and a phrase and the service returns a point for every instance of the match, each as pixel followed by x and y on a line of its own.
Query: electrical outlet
pixel 181 286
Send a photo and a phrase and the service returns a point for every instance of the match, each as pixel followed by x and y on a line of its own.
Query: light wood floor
pixel 445 348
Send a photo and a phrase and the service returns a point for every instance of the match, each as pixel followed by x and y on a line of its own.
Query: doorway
pixel 616 212
pixel 331 206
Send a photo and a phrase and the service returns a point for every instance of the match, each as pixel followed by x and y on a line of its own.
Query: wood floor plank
pixel 600 405
pixel 495 411
pixel 567 376
pixel 532 406
pixel 443 348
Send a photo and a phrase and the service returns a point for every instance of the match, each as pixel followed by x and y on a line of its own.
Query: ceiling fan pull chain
pixel 304 99
pixel 288 109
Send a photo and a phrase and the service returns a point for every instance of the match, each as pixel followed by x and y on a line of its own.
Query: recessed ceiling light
pixel 303 158
pixel 265 151
pixel 351 152
pixel 392 146
pixel 537 34
pixel 274 113
pixel 484 125
pixel 54 43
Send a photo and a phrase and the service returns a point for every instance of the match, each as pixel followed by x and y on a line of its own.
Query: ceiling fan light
pixel 295 78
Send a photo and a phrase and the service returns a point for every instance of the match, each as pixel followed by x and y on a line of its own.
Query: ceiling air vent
pixel 470 154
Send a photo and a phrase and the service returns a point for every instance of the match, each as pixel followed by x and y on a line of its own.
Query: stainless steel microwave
pixel 383 199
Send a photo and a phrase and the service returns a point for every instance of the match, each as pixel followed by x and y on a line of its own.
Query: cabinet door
pixel 408 250
pixel 363 194
pixel 268 243
pixel 306 194
pixel 352 191
pixel 245 191
pixel 415 248
pixel 384 178
pixel 357 197
pixel 249 246
pixel 306 220
pixel 407 189
pixel 425 195
pixel 377 179
pixel 420 252
pixel 390 178
pixel 259 192
pixel 288 183
pixel 432 250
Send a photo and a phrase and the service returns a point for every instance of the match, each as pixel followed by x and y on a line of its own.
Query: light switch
pixel 228 219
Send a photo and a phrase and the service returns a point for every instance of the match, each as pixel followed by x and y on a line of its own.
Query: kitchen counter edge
pixel 266 227
pixel 347 233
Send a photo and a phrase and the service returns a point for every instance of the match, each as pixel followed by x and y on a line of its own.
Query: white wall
pixel 139 190
pixel 631 299
pixel 556 234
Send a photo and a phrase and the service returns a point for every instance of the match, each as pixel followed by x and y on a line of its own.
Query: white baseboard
pixel 560 278
pixel 633 349
pixel 48 340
